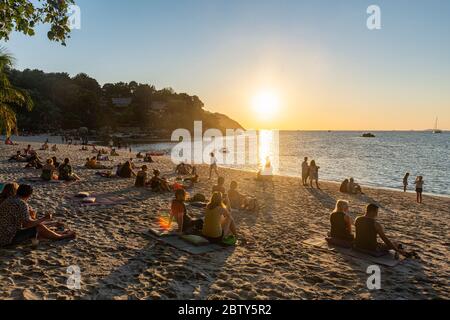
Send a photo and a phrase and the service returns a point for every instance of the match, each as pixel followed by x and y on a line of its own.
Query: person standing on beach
pixel 405 182
pixel 213 165
pixel 419 188
pixel 314 174
pixel 305 172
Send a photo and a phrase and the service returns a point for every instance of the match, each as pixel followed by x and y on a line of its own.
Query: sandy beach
pixel 118 258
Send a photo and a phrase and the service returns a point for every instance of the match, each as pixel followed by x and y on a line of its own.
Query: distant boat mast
pixel 436 127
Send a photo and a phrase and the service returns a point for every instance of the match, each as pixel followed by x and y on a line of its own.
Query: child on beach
pixel 405 182
pixel 419 188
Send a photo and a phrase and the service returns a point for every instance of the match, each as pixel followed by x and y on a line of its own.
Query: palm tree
pixel 10 96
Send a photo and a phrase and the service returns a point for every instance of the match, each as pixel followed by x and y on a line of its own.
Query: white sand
pixel 118 260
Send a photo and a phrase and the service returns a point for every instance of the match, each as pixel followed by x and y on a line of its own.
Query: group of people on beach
pixel 217 224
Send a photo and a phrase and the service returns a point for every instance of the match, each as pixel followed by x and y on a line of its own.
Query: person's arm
pixel 386 240
pixel 348 222
pixel 31 223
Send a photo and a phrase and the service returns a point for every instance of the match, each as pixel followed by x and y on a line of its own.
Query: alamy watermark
pixel 74 15
pixel 237 147
pixel 374 280
pixel 374 19
pixel 74 278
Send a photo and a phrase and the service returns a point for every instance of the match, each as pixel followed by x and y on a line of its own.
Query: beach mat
pixel 387 260
pixel 157 230
pixel 180 244
pixel 100 200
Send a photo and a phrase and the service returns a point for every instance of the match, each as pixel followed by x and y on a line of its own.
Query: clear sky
pixel 317 59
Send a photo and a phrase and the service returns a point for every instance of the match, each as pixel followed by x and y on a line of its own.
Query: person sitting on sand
pixel 49 171
pixel 148 158
pixel 101 157
pixel 54 148
pixel 92 164
pixel 419 188
pixel 344 186
pixel 9 142
pixel 45 146
pixel 140 155
pixel 183 169
pixel 186 223
pixel 141 177
pixel 405 182
pixel 18 157
pixel 34 162
pixel 194 178
pixel 220 187
pixel 314 174
pixel 266 173
pixel 126 171
pixel 84 148
pixel 28 150
pixel 66 172
pixel 17 226
pixel 158 184
pixel 55 162
pixel 367 231
pixel 218 223
pixel 353 187
pixel 9 190
pixel 114 153
pixel 341 222
pixel 239 201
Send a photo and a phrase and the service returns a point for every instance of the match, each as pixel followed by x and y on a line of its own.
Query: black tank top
pixel 338 226
pixel 366 234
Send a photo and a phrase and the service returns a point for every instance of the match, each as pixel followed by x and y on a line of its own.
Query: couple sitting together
pixel 19 222
pixel 54 171
pixel 156 182
pixel 351 187
pixel 234 199
pixel 367 230
pixel 218 225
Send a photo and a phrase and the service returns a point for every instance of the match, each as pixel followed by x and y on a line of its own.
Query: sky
pixel 322 68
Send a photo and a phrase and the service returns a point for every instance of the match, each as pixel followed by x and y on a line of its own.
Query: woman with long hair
pixel 218 223
pixel 314 174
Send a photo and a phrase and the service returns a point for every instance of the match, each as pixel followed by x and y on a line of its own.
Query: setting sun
pixel 266 104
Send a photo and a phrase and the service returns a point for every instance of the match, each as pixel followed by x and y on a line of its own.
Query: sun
pixel 266 104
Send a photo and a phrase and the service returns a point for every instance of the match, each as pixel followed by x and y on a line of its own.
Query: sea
pixel 381 161
pixel 376 162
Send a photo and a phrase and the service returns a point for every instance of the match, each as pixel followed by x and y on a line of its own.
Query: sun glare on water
pixel 266 104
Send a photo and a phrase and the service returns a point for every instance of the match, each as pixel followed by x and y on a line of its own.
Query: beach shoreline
pixel 118 258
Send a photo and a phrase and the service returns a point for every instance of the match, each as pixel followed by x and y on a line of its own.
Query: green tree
pixel 24 15
pixel 10 97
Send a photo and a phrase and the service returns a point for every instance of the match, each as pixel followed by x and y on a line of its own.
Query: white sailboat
pixel 436 128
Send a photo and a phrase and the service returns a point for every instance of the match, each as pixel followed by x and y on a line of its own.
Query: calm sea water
pixel 378 162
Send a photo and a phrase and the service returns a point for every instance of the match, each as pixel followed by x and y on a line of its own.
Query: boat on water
pixel 368 135
pixel 436 129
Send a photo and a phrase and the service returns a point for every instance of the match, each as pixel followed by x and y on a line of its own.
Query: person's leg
pixel 317 184
pixel 45 233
